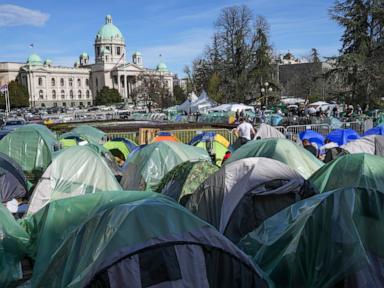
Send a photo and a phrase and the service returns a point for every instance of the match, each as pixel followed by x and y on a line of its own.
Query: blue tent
pixel 343 136
pixel 378 130
pixel 313 137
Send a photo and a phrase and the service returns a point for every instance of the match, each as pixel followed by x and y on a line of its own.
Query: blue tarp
pixel 343 136
pixel 378 130
pixel 313 137
pixel 203 137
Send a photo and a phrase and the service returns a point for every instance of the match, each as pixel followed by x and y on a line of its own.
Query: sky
pixel 179 30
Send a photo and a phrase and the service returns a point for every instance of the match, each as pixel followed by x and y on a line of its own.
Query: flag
pixel 4 88
pixel 31 45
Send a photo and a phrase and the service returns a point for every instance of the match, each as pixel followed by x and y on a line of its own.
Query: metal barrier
pixel 357 126
pixel 292 131
pixel 127 135
pixel 281 129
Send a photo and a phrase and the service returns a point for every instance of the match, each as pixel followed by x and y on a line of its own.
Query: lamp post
pixel 264 89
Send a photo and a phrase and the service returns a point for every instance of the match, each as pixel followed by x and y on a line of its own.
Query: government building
pixel 56 86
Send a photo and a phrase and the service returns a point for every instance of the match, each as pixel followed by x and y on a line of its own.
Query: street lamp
pixel 265 88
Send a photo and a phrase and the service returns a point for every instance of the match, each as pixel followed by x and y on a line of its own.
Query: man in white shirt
pixel 245 131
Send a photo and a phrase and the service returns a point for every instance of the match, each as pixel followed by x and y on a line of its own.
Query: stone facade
pixel 50 85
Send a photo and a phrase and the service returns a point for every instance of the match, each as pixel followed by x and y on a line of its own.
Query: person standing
pixel 237 116
pixel 245 131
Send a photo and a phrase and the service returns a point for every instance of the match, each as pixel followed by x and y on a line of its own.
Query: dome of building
pixel 108 30
pixel 84 54
pixel 161 67
pixel 137 53
pixel 34 59
pixel 48 62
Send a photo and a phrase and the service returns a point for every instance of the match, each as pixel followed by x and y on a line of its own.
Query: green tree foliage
pixel 18 96
pixel 213 89
pixel 361 63
pixel 179 94
pixel 315 57
pixel 107 96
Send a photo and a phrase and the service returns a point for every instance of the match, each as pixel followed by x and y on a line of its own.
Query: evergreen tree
pixel 107 96
pixel 18 96
pixel 315 57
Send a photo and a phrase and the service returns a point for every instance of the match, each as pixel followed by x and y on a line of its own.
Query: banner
pixel 4 88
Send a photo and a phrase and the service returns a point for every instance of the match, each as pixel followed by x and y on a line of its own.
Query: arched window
pixel 71 94
pixel 62 94
pixel 79 94
pixel 62 82
pixel 79 82
pixel 53 81
pixel 53 94
pixel 40 81
pixel 41 94
pixel 87 82
pixel 70 82
pixel 87 93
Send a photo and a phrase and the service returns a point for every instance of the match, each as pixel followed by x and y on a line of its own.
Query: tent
pixel 232 108
pixel 133 239
pixel 202 104
pixel 13 183
pixel 148 166
pixel 13 249
pixel 332 239
pixel 123 145
pixel 267 131
pixel 186 105
pixel 282 150
pixel 86 132
pixel 343 136
pixel 378 130
pixel 32 147
pixel 242 194
pixel 353 170
pixel 214 143
pixel 313 137
pixel 165 136
pixel 182 181
pixel 372 144
pixel 75 171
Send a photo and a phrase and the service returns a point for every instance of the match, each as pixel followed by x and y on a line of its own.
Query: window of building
pixel 89 104
pixel 87 93
pixel 64 104
pixel 118 51
pixel 81 104
pixel 87 82
pixel 53 81
pixel 79 82
pixel 106 58
pixel 62 82
pixel 70 81
pixel 53 94
pixel 40 81
pixel 107 47
pixel 79 94
pixel 41 94
pixel 62 94
pixel 97 51
pixel 55 104
pixel 43 105
pixel 71 94
pixel 72 104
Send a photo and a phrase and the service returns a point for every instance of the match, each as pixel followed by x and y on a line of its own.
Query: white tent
pixel 292 101
pixel 202 104
pixel 266 131
pixel 186 105
pixel 232 108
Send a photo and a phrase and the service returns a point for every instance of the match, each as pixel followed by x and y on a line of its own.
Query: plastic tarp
pixel 378 130
pixel 13 248
pixel 313 137
pixel 332 239
pixel 148 166
pixel 184 179
pixel 186 105
pixel 102 230
pixel 13 183
pixel 282 150
pixel 76 171
pixel 31 146
pixel 372 144
pixel 353 170
pixel 242 194
pixel 266 131
pixel 343 136
pixel 232 108
pixel 202 104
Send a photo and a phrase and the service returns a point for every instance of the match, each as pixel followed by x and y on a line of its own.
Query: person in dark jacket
pixel 308 146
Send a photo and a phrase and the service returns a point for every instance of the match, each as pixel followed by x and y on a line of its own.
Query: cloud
pixel 13 15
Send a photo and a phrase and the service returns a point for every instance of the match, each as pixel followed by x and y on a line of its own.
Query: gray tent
pixel 372 144
pixel 242 194
pixel 267 131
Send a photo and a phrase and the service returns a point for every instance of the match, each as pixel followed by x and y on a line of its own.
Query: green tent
pixel 123 145
pixel 13 248
pixel 137 239
pixel 353 170
pixel 332 239
pixel 68 142
pixel 86 132
pixel 282 150
pixel 183 180
pixel 32 147
pixel 75 171
pixel 148 166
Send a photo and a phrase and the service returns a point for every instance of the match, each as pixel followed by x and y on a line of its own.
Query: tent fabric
pixel 160 138
pixel 378 130
pixel 350 171
pixel 13 183
pixel 313 137
pixel 242 194
pixel 76 171
pixel 31 146
pixel 184 179
pixel 186 105
pixel 332 239
pixel 267 131
pixel 68 142
pixel 99 238
pixel 343 136
pixel 13 248
pixel 87 132
pixel 372 144
pixel 282 150
pixel 148 166
pixel 125 146
pixel 232 108
pixel 202 104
